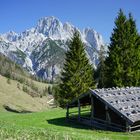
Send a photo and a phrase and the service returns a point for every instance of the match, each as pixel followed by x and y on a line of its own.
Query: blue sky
pixel 18 15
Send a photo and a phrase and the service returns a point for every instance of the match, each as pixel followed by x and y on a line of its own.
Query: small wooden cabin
pixel 115 109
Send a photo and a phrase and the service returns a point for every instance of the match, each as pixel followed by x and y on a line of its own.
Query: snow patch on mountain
pixel 41 49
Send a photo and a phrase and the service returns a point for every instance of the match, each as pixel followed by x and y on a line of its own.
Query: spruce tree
pixel 113 62
pixel 77 75
pixel 123 62
pixel 101 68
pixel 131 57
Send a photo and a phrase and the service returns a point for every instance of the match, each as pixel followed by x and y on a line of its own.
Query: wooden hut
pixel 116 109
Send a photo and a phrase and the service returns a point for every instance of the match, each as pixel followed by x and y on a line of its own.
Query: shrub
pixel 8 81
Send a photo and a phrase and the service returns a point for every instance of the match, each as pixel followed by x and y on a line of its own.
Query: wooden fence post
pixel 107 115
pixel 128 128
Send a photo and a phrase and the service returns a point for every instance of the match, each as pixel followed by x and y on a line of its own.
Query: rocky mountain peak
pixel 41 49
pixel 10 36
pixel 93 38
pixel 50 27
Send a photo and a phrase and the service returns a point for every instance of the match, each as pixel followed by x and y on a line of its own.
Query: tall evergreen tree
pixel 131 56
pixel 101 68
pixel 77 75
pixel 114 61
pixel 123 62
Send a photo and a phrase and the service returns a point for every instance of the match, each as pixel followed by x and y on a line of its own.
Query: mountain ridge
pixel 49 33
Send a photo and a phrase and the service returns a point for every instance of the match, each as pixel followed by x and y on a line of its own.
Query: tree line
pixel 120 68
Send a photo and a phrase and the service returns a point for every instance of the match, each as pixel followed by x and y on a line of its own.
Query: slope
pixel 12 95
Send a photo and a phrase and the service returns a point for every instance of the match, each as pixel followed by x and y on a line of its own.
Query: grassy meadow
pixel 51 125
pixel 45 123
pixel 13 95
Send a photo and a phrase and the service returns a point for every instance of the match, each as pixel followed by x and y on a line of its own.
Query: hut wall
pixel 100 112
pixel 99 109
pixel 115 118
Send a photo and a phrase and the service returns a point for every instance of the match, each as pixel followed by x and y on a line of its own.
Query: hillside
pixel 13 96
pixel 9 68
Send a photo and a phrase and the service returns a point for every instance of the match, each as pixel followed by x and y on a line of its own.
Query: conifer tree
pixel 101 68
pixel 131 57
pixel 113 62
pixel 77 75
pixel 123 62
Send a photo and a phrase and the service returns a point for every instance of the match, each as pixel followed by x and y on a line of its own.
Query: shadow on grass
pixel 10 109
pixel 66 123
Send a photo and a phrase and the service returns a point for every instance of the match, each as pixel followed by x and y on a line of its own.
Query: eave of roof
pixel 94 93
pixel 114 92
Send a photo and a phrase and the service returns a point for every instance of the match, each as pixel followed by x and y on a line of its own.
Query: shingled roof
pixel 116 109
pixel 125 101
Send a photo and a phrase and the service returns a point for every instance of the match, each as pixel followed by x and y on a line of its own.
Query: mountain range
pixel 41 50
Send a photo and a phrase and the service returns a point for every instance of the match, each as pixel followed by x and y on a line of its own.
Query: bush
pixel 49 90
pixel 56 94
pixel 25 89
pixel 45 91
pixel 8 81
pixel 18 85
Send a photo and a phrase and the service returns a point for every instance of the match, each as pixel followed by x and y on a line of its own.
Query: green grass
pixel 11 95
pixel 51 125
